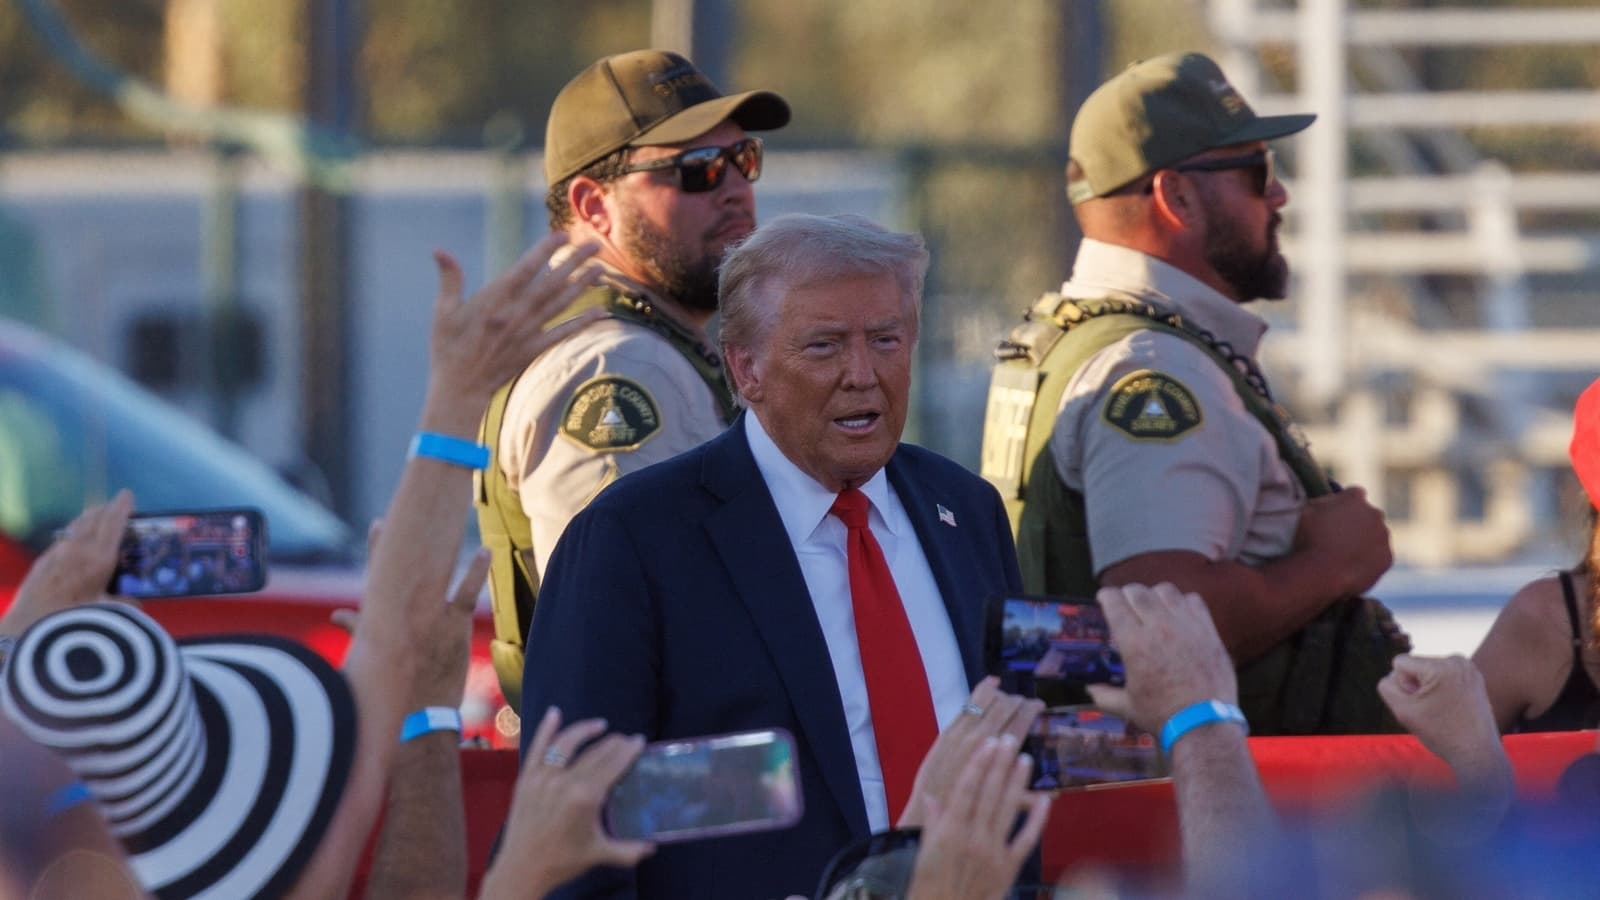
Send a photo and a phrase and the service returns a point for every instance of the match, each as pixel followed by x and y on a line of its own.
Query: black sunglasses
pixel 703 168
pixel 1264 162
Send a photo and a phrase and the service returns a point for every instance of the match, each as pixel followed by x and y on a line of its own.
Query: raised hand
pixel 554 824
pixel 968 850
pixel 75 569
pixel 479 344
pixel 989 713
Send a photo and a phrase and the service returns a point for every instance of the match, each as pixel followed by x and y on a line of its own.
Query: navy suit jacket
pixel 673 606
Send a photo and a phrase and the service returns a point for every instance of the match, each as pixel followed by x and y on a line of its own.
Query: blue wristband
pixel 1203 713
pixel 66 797
pixel 453 450
pixel 430 719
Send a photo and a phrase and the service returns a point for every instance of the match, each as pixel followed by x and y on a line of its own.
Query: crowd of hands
pixel 410 650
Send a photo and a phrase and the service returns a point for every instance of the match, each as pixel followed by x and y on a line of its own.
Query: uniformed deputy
pixel 648 159
pixel 1133 433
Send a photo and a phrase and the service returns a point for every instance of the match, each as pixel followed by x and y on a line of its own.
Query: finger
pixel 1167 594
pixel 963 795
pixel 1015 797
pixel 1027 837
pixel 610 758
pixel 564 270
pixel 575 736
pixel 450 280
pixel 1113 700
pixel 1002 709
pixel 624 853
pixel 985 691
pixel 346 619
pixel 1391 694
pixel 549 299
pixel 1411 672
pixel 542 736
pixel 992 807
pixel 1120 614
pixel 112 520
pixel 1022 720
pixel 527 267
pixel 467 589
pixel 374 532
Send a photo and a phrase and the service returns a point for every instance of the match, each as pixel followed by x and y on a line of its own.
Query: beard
pixel 1254 272
pixel 680 276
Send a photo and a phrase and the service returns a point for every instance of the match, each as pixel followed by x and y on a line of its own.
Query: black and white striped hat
pixel 218 762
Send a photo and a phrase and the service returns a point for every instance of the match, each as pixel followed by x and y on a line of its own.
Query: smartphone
pixel 685 790
pixel 1050 648
pixel 181 554
pixel 1077 747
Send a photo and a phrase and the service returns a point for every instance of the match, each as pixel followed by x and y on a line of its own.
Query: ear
pixel 743 370
pixel 1175 203
pixel 588 199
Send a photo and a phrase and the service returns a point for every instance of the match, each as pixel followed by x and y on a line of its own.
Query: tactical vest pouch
pixel 1013 389
pixel 1323 679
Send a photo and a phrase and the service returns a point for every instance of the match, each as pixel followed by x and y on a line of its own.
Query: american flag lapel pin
pixel 945 515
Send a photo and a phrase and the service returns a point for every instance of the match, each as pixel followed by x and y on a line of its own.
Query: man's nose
pixel 859 371
pixel 1277 194
pixel 736 189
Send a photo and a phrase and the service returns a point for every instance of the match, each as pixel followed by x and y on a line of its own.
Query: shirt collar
pixel 1101 266
pixel 802 501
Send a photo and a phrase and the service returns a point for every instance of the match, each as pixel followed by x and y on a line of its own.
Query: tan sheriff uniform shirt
pixel 611 399
pixel 1153 434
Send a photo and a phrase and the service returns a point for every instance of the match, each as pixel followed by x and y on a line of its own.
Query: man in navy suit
pixel 804 570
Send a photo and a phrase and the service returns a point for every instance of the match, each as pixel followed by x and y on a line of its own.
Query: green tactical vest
pixel 1320 680
pixel 503 526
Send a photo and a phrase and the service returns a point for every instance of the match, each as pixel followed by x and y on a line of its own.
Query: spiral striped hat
pixel 217 762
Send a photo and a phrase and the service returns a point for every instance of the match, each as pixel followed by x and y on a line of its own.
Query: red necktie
pixel 897 686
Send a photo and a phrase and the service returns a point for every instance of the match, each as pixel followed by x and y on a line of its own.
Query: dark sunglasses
pixel 703 168
pixel 1264 162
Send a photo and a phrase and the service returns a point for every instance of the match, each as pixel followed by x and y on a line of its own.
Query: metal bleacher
pixel 1444 310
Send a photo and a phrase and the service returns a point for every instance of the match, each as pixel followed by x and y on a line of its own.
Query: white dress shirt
pixel 819 543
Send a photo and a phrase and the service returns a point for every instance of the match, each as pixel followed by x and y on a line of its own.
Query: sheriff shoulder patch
pixel 1150 406
pixel 610 413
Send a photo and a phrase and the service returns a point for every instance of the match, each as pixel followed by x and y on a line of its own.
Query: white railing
pixel 1347 352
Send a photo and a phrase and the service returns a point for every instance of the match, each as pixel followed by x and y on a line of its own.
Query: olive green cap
pixel 1159 112
pixel 639 99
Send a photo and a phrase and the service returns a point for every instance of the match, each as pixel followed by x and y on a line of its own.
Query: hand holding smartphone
pixel 708 787
pixel 188 553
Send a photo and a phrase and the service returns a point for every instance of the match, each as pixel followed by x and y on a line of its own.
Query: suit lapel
pixel 948 557
pixel 750 539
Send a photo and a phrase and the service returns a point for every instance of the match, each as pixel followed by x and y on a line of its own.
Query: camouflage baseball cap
pixel 640 99
pixel 1159 112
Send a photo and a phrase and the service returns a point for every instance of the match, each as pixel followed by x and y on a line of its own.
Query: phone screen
pixel 1050 647
pixel 181 554
pixel 1081 747
pixel 704 787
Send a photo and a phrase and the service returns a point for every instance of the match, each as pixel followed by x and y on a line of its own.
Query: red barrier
pixel 1136 825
